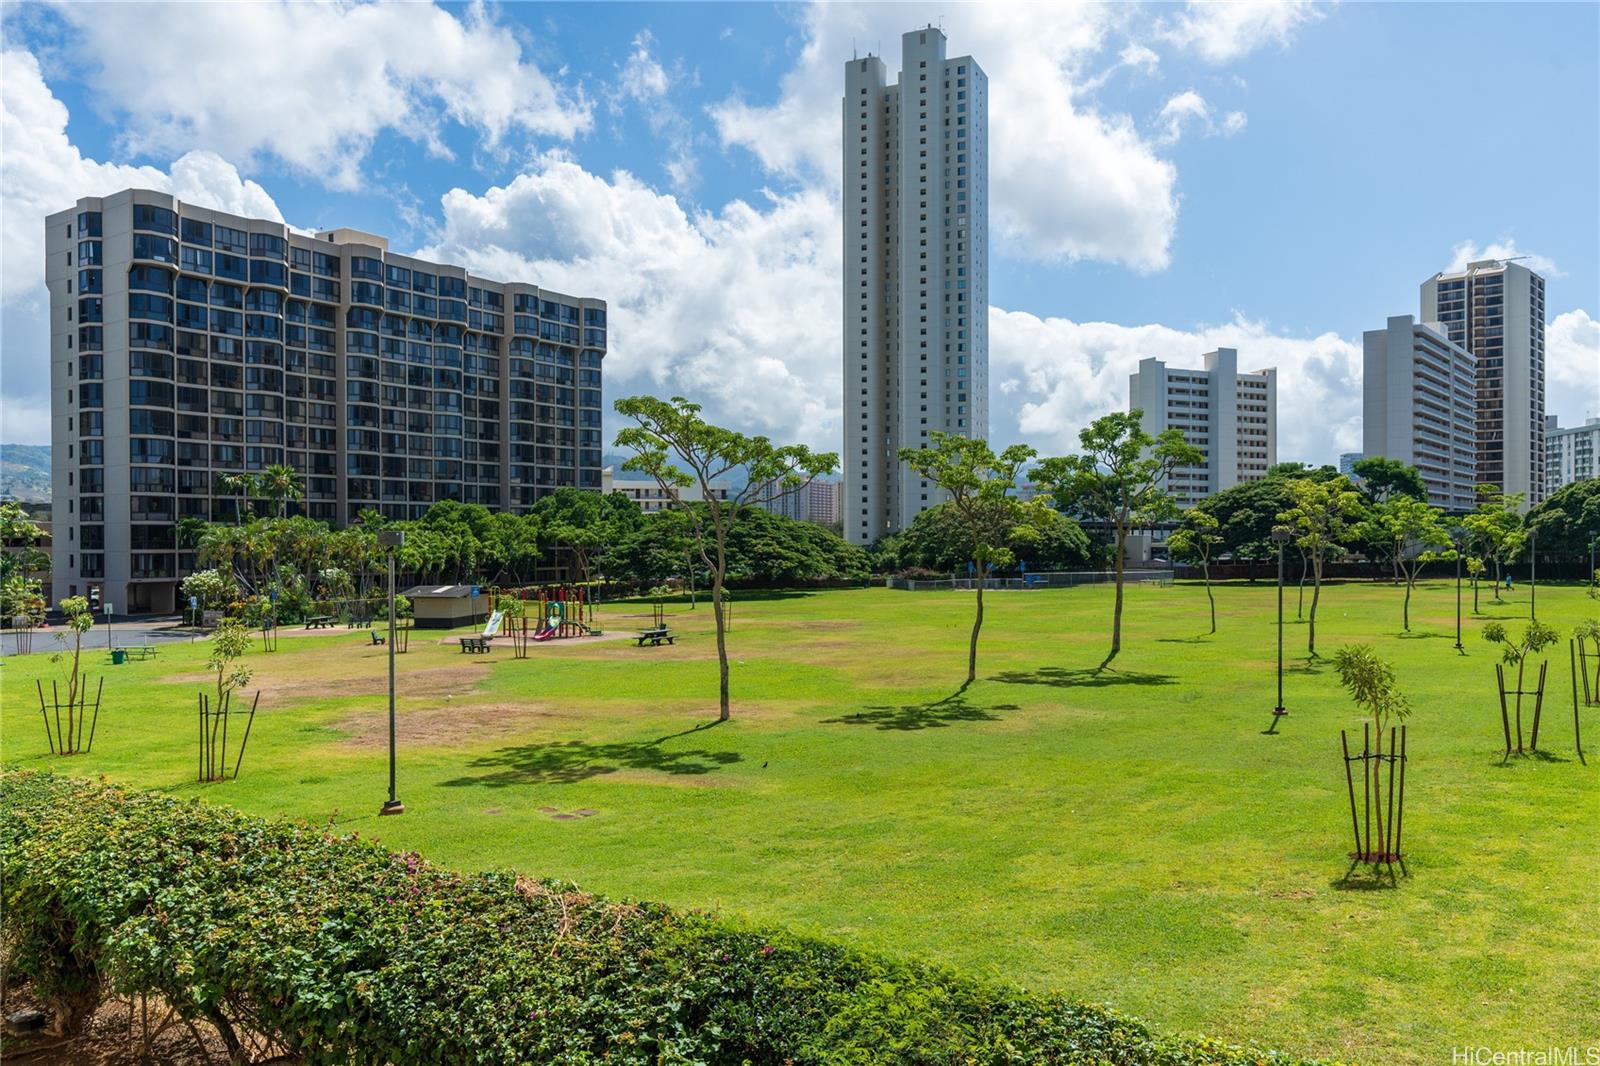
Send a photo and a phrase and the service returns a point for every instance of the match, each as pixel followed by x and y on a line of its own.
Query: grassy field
pixel 1128 836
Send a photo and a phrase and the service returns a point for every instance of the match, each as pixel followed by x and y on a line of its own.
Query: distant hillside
pixel 25 471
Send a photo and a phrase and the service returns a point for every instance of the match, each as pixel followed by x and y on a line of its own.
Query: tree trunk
pixel 1499 579
pixel 1406 612
pixel 977 624
pixel 1300 609
pixel 1316 594
pixel 718 575
pixel 1205 571
pixel 1116 615
pixel 1474 594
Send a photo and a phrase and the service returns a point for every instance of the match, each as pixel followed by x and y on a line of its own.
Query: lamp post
pixel 1280 537
pixel 391 540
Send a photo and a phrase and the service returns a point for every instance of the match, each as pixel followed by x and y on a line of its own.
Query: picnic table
pixel 320 621
pixel 475 645
pixel 138 651
pixel 655 636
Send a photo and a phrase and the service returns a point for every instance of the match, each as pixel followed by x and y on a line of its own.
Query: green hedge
pixel 342 951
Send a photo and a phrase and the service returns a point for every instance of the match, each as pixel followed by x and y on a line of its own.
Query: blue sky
pixel 1166 178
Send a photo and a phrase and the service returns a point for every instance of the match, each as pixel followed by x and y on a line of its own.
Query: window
pixel 88 224
pixel 365 267
pixel 196 232
pixel 228 239
pixel 195 260
pixel 150 279
pixel 155 219
pixel 268 245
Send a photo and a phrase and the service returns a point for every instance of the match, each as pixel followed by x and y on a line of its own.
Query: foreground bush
pixel 337 950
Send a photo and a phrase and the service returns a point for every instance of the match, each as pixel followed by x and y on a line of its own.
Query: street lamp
pixel 1281 535
pixel 390 540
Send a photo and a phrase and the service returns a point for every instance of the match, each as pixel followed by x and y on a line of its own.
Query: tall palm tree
pixel 280 484
pixel 246 485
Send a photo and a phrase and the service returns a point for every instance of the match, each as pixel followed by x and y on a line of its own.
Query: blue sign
pixel 273 595
pixel 194 603
pixel 475 591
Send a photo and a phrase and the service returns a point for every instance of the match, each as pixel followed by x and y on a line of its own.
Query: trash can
pixel 118 656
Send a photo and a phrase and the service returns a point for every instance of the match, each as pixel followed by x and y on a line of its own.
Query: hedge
pixel 340 951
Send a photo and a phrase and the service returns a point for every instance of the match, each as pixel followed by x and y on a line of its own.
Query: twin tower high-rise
pixel 916 273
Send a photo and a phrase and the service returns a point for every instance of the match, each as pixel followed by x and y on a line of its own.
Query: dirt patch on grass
pixel 452 722
pixel 279 689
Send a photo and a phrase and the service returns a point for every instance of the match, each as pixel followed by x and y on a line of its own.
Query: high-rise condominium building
pixel 1231 417
pixel 1347 463
pixel 916 273
pixel 1418 405
pixel 187 344
pixel 1495 310
pixel 1570 454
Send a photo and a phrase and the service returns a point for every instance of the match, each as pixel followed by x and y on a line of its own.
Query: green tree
pixel 1195 541
pixel 1496 528
pixel 1120 478
pixel 80 619
pixel 1385 479
pixel 20 537
pixel 1515 651
pixel 1319 519
pixel 1370 682
pixel 668 432
pixel 1415 535
pixel 980 484
pixel 1568 520
pixel 937 539
pixel 281 486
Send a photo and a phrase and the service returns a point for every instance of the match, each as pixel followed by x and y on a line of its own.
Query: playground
pixel 1142 835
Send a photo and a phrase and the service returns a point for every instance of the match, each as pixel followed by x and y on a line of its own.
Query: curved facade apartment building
pixel 1419 405
pixel 187 343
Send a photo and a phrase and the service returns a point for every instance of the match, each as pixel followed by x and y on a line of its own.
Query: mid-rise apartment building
pixel 187 344
pixel 1495 310
pixel 816 501
pixel 1347 463
pixel 648 493
pixel 1231 417
pixel 1570 453
pixel 916 273
pixel 1419 405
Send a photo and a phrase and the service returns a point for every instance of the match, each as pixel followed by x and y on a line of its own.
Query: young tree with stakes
pixel 1121 478
pixel 980 485
pixel 1370 682
pixel 1196 540
pixel 1515 652
pixel 1319 519
pixel 668 430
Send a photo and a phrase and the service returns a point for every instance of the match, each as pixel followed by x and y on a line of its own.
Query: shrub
pixel 341 951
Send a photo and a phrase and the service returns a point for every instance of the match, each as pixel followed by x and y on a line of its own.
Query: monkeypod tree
pixel 1414 534
pixel 1120 477
pixel 667 433
pixel 1321 515
pixel 1497 530
pixel 980 484
pixel 1195 541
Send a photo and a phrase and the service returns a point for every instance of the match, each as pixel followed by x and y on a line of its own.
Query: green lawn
pixel 1128 836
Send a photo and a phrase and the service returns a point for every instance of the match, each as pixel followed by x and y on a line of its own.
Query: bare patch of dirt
pixel 280 686
pixel 452 722
pixel 113 1036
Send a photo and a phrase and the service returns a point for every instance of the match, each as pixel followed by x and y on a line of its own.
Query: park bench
pixel 321 621
pixel 474 644
pixel 655 637
pixel 376 640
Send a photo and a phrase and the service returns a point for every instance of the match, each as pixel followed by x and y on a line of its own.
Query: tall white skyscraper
pixel 916 273
pixel 1495 310
pixel 1231 417
pixel 1418 406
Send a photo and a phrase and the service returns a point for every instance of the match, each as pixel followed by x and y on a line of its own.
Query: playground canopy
pixel 447 606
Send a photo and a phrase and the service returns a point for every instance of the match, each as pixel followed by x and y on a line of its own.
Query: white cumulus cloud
pixel 316 83
pixel 1189 110
pixel 1572 367
pixel 1068 180
pixel 1221 32
pixel 1469 252
pixel 41 172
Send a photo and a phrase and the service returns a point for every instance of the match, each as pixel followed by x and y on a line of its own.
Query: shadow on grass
pixel 1203 639
pixel 935 714
pixel 1503 760
pixel 1097 677
pixel 1370 881
pixel 1425 636
pixel 564 762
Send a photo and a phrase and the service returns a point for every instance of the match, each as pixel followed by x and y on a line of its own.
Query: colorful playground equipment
pixel 556 611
